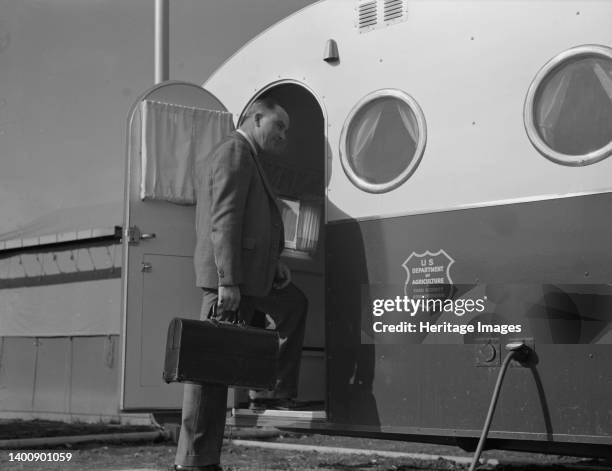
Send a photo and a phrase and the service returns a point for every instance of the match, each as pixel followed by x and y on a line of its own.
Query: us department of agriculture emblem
pixel 428 275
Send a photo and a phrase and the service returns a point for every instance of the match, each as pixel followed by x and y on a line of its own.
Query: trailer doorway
pixel 298 177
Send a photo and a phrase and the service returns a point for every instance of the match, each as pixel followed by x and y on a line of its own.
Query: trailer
pixel 450 153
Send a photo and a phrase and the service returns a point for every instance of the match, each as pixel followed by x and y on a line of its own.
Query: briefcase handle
pixel 212 316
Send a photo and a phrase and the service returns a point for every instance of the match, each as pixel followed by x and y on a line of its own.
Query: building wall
pixel 59 333
pixel 65 378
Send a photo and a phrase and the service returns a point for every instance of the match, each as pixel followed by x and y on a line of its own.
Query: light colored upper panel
pixel 468 64
pixel 62 309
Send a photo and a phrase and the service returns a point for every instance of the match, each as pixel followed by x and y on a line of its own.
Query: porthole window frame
pixel 578 52
pixel 385 187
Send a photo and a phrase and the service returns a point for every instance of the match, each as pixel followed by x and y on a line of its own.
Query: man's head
pixel 267 123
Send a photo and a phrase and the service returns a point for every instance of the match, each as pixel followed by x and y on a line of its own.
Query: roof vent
pixel 393 9
pixel 373 14
pixel 367 15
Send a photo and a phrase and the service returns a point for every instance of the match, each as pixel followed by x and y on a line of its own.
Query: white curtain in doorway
pixel 173 137
pixel 309 225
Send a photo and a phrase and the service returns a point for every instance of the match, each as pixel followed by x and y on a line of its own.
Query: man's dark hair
pixel 266 102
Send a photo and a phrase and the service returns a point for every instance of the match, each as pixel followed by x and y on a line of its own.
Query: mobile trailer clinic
pixel 469 137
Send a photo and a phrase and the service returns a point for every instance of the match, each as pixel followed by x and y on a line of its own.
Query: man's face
pixel 272 127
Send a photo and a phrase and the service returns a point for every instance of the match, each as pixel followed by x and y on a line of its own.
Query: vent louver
pixel 373 14
pixel 368 14
pixel 393 9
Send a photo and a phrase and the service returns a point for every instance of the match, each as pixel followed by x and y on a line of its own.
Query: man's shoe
pixel 207 467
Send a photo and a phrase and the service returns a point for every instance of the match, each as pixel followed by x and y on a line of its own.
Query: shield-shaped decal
pixel 428 275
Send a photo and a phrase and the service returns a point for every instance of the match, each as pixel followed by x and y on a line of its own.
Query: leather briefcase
pixel 211 351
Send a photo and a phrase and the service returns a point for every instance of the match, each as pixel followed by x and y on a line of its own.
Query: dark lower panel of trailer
pixel 546 264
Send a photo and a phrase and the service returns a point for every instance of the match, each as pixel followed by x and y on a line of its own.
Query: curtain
pixel 408 120
pixel 173 137
pixel 290 213
pixel 551 102
pixel 302 221
pixel 604 79
pixel 309 225
pixel 362 137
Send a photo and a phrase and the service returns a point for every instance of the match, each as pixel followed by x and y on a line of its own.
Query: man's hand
pixel 282 277
pixel 229 299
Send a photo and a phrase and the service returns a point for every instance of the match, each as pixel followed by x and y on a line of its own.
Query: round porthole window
pixel 568 110
pixel 383 140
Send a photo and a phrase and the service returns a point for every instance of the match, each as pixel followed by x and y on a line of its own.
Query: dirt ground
pixel 235 458
pixel 160 455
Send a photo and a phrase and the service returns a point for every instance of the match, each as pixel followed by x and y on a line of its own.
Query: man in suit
pixel 237 262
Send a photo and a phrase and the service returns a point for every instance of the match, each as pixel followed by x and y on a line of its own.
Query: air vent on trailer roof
pixel 368 14
pixel 393 9
pixel 374 14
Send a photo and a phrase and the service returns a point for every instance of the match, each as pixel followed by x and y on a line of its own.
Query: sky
pixel 69 72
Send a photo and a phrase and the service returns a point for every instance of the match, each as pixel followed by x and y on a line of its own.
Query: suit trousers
pixel 205 406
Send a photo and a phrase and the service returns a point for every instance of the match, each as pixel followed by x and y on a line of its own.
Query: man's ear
pixel 257 118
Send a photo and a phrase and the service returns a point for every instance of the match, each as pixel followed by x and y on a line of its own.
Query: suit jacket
pixel 238 223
